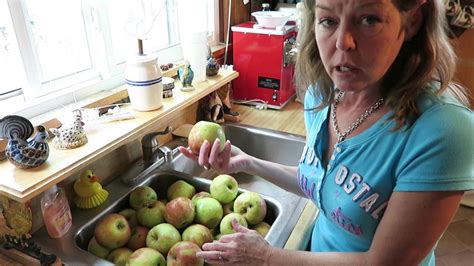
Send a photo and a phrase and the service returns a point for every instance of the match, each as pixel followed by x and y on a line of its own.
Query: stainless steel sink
pixel 284 207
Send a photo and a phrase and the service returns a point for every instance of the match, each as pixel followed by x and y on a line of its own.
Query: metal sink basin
pixel 160 181
pixel 284 208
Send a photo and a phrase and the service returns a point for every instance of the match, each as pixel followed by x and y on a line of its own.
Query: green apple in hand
pixel 140 195
pixel 198 234
pixel 252 206
pixel 226 223
pixel 204 130
pixel 184 253
pixel 97 249
pixel 181 188
pixel 224 188
pixel 162 237
pixel 151 213
pixel 208 212
pixel 112 231
pixel 119 256
pixel 146 256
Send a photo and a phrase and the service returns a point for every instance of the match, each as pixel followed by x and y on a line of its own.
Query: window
pixel 56 51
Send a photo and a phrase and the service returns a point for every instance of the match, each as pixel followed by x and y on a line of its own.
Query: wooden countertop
pixel 24 184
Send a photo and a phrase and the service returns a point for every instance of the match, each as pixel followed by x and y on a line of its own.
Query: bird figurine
pixel 89 192
pixel 186 75
pixel 69 136
pixel 212 67
pixel 20 151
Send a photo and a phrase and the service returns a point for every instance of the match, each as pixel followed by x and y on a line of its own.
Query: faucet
pixel 150 146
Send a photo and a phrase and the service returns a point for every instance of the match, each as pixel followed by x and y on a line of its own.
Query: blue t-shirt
pixel 435 153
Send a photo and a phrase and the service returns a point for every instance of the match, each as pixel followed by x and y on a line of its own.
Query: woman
pixel 389 142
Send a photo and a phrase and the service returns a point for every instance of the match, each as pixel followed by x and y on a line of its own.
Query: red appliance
pixel 264 59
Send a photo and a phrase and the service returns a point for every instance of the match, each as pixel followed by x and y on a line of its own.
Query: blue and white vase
pixel 144 83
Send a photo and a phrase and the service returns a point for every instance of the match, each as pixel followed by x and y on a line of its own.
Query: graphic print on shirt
pixel 360 193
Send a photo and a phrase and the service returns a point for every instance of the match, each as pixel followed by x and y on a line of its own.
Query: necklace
pixel 355 124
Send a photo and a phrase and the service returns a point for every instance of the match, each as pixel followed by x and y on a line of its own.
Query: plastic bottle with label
pixel 56 212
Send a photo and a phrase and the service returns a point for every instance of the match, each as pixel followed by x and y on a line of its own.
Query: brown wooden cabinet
pixel 465 68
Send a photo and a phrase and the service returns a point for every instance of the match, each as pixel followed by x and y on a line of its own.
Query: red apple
pixel 184 253
pixel 226 223
pixel 151 213
pixel 119 256
pixel 224 188
pixel 252 206
pixel 140 195
pixel 162 237
pixel 112 231
pixel 180 188
pixel 208 212
pixel 97 249
pixel 137 238
pixel 198 234
pixel 146 256
pixel 204 130
pixel 180 212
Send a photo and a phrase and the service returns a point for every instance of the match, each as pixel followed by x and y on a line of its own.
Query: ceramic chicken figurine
pixel 70 136
pixel 212 67
pixel 20 151
pixel 89 191
pixel 186 75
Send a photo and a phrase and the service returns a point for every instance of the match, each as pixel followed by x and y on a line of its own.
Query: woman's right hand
pixel 230 160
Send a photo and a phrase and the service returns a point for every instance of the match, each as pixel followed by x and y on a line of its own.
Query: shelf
pixel 24 184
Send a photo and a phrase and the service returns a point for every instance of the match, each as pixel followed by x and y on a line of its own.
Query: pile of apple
pixel 175 228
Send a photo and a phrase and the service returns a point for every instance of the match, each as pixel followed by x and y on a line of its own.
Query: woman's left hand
pixel 245 247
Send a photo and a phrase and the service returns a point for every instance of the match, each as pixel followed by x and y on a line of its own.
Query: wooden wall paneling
pixel 239 13
pixel 465 68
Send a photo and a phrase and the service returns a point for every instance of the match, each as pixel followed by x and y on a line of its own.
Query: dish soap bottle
pixel 56 212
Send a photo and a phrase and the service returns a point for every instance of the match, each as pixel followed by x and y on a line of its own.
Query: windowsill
pixel 24 184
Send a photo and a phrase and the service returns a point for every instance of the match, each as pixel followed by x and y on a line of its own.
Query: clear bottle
pixel 265 7
pixel 56 212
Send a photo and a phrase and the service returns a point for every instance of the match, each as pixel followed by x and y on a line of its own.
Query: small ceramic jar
pixel 144 83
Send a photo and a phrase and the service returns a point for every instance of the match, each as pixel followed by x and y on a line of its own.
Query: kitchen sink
pixel 284 208
pixel 160 181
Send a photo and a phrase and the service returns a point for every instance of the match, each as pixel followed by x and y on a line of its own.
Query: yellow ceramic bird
pixel 89 191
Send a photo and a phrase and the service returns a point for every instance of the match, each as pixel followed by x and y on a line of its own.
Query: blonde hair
pixel 428 56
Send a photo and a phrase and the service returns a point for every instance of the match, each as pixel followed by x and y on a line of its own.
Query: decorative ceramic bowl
pixel 271 19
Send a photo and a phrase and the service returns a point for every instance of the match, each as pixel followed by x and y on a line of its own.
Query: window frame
pixel 32 103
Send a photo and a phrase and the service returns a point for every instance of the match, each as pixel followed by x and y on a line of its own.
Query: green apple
pixel 131 216
pixel 209 212
pixel 180 212
pixel 204 130
pixel 151 213
pixel 224 188
pixel 119 256
pixel 138 237
pixel 200 195
pixel 162 237
pixel 112 231
pixel 252 206
pixel 181 188
pixel 140 195
pixel 198 234
pixel 184 253
pixel 262 228
pixel 228 207
pixel 226 223
pixel 145 257
pixel 97 249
